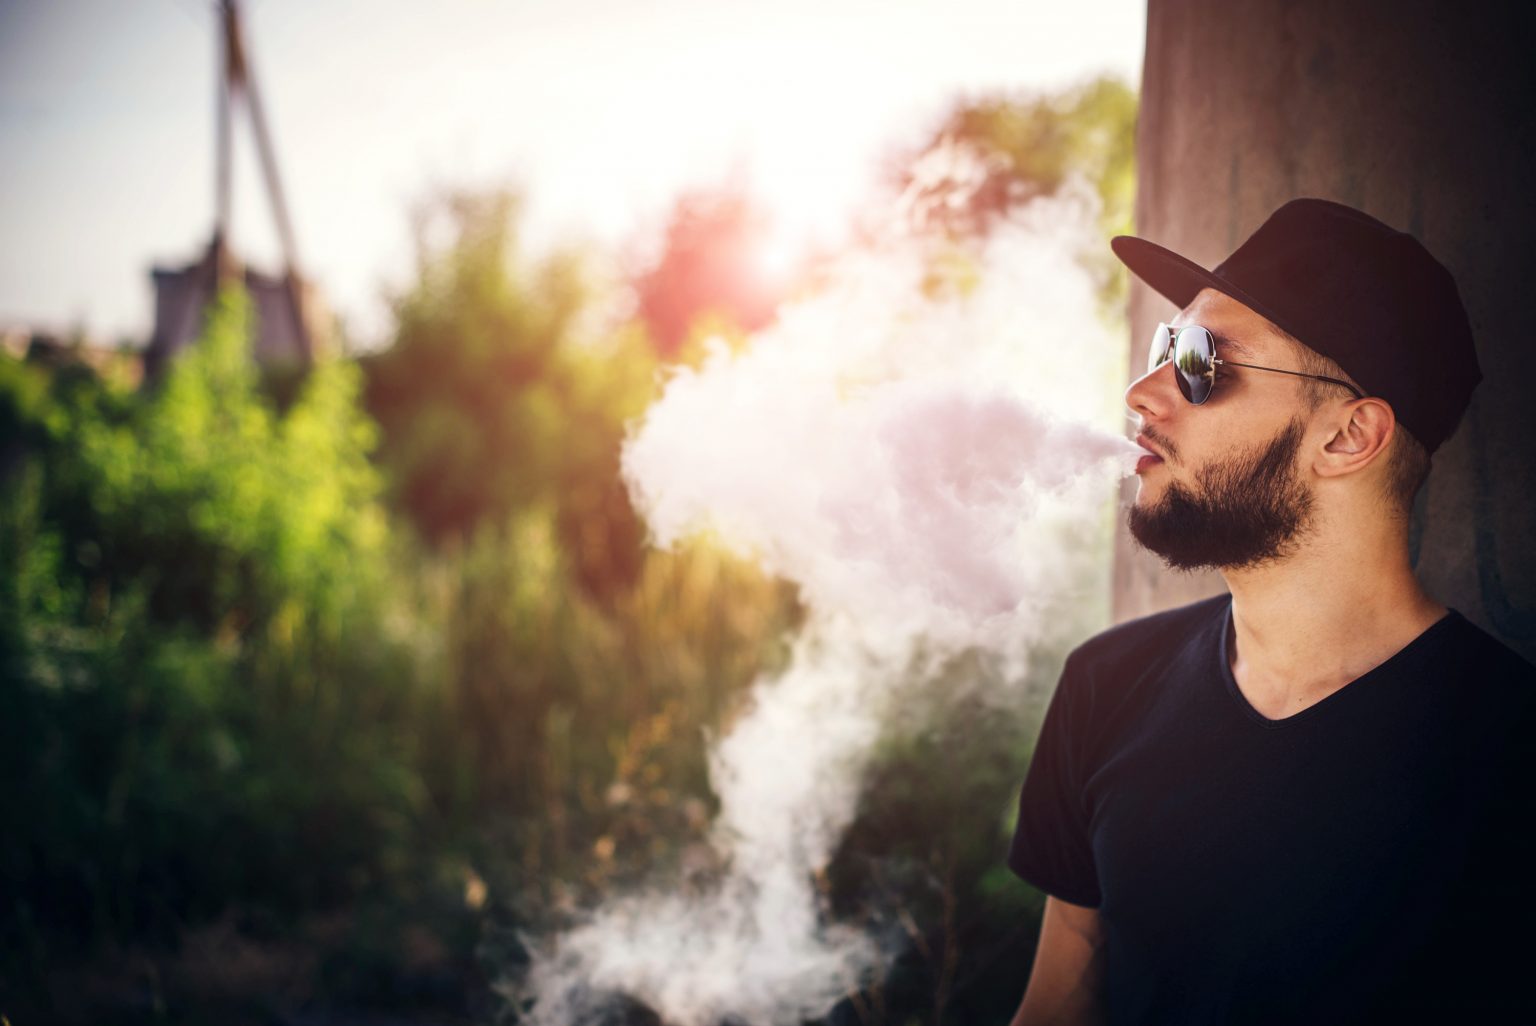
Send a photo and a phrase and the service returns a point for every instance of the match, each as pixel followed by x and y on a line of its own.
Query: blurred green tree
pixel 499 394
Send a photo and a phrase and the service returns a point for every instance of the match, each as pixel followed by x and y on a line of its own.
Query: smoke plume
pixel 926 456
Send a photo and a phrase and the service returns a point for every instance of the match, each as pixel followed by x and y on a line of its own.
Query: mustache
pixel 1163 443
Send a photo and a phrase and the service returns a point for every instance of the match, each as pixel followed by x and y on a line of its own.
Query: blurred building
pixel 290 314
pixel 292 323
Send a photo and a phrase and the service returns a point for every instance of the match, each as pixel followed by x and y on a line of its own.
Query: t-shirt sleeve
pixel 1051 847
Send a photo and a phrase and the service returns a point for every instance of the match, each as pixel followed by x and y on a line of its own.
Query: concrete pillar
pixel 1423 114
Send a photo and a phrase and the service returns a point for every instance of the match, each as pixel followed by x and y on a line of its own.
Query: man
pixel 1308 801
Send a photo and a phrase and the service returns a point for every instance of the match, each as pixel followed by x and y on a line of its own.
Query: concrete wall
pixel 1422 114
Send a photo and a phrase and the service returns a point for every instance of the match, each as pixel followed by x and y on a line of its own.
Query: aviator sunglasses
pixel 1193 350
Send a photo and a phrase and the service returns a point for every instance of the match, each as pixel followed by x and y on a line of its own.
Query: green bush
pixel 200 707
pixel 233 686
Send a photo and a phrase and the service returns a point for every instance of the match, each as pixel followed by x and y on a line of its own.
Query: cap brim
pixel 1172 276
pixel 1177 278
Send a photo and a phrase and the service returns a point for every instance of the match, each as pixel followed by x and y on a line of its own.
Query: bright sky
pixel 602 110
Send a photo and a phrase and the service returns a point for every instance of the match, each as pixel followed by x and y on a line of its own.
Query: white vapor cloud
pixel 927 466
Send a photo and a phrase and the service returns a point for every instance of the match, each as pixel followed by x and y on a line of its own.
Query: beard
pixel 1251 509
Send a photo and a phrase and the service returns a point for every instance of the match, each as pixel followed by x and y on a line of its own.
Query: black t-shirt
pixel 1367 859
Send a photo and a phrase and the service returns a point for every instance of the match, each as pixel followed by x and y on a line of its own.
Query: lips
pixel 1146 444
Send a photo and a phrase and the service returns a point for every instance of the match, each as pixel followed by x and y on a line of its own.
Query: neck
pixel 1308 625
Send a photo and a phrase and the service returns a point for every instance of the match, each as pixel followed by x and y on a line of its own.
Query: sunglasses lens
pixel 1194 356
pixel 1158 351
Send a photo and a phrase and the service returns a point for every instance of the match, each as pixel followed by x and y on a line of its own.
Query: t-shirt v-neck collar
pixel 1328 702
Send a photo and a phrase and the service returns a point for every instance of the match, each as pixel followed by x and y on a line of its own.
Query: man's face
pixel 1228 493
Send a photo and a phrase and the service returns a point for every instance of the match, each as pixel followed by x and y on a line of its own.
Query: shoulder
pixel 1489 670
pixel 1110 668
pixel 1489 650
pixel 1153 638
pixel 1490 712
pixel 1466 694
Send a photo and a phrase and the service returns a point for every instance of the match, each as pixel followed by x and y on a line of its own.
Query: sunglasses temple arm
pixel 1295 374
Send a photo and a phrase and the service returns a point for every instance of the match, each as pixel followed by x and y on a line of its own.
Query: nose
pixel 1155 393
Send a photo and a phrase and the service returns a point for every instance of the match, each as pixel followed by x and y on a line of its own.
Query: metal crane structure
pixel 291 321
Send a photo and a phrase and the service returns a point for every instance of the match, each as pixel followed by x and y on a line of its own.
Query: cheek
pixel 1229 428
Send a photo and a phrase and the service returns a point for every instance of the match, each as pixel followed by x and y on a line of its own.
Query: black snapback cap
pixel 1367 296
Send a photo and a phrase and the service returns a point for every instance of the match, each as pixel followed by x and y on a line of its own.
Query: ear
pixel 1363 429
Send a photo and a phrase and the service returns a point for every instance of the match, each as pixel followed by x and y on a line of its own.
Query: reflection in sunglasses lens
pixel 1193 356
